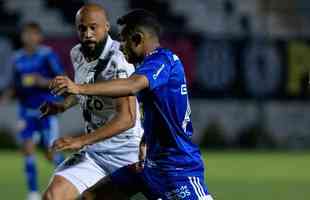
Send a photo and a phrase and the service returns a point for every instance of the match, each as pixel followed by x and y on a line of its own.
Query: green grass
pixel 258 175
pixel 230 175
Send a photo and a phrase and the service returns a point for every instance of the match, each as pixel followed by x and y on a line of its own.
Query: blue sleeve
pixel 156 71
pixel 55 65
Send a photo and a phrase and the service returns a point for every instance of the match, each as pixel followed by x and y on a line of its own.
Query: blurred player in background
pixel 173 167
pixel 34 65
pixel 112 124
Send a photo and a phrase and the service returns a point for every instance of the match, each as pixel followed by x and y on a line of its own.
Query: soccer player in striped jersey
pixel 113 128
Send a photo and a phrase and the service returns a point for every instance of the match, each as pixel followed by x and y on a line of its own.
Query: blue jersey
pixel 43 62
pixel 167 122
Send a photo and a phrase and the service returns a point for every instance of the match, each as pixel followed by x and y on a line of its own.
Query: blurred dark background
pixel 247 63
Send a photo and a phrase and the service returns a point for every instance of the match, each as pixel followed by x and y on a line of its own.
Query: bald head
pixel 91 9
pixel 92 26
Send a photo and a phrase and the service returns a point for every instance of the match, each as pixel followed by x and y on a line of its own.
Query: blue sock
pixel 31 173
pixel 58 158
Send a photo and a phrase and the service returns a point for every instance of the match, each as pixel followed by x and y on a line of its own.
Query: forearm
pixel 114 88
pixel 68 102
pixel 114 127
pixel 142 148
pixel 143 142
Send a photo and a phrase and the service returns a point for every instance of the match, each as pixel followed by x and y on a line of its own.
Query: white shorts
pixel 81 170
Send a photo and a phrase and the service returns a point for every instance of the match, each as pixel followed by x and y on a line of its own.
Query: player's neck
pixel 30 49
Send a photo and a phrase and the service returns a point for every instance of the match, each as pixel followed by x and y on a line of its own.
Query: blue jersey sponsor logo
pixel 158 71
pixel 180 193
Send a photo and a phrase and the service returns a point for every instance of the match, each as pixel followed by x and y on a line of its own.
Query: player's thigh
pixel 121 184
pixel 105 189
pixel 81 171
pixel 60 189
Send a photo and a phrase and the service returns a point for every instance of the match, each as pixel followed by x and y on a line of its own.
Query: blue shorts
pixel 155 185
pixel 44 130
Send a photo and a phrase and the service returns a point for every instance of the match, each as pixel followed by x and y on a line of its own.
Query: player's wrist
pixel 84 140
pixel 80 89
pixel 60 108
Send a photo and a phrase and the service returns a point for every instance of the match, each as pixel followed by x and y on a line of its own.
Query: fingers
pixel 61 85
pixel 60 144
pixel 58 85
pixel 56 79
pixel 61 148
pixel 60 89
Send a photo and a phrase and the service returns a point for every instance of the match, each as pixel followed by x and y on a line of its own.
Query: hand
pixel 48 108
pixel 63 84
pixel 67 143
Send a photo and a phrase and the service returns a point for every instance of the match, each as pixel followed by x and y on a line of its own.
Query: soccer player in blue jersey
pixel 34 66
pixel 173 168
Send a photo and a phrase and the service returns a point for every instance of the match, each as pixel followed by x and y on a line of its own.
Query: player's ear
pixel 108 26
pixel 137 38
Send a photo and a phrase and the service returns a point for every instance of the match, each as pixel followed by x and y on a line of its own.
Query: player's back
pixel 98 110
pixel 167 121
pixel 42 62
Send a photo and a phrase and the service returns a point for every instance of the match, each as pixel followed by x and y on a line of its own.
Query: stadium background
pixel 247 64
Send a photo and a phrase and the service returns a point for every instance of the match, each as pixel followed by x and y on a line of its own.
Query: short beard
pixel 93 53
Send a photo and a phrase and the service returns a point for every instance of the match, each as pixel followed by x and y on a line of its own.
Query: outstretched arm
pixel 124 119
pixel 112 88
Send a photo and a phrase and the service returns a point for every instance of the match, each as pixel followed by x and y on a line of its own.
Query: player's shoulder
pixel 76 56
pixel 75 51
pixel 115 52
pixel 119 59
pixel 162 55
pixel 44 50
pixel 118 56
pixel 18 54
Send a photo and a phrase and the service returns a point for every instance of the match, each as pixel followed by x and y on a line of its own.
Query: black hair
pixel 31 25
pixel 140 18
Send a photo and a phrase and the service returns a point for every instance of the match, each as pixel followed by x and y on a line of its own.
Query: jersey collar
pixel 106 48
pixel 153 52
